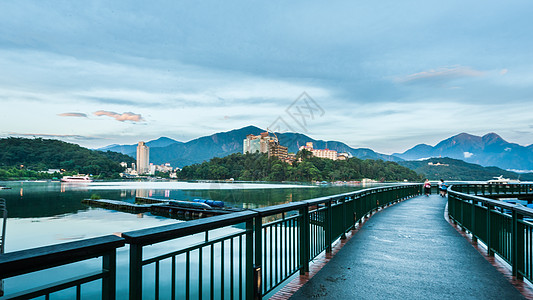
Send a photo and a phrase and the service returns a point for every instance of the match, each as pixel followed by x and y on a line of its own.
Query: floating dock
pixel 165 208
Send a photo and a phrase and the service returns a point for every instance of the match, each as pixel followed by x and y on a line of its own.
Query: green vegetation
pixel 459 170
pixel 261 168
pixel 22 158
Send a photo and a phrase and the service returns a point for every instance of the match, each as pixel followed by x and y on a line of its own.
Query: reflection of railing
pixel 13 264
pixel 256 251
pixel 506 229
pixel 239 255
pixel 3 212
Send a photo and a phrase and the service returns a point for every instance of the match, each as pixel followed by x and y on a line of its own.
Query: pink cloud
pixel 126 116
pixel 72 114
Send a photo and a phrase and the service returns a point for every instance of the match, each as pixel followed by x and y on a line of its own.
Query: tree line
pixel 24 158
pixel 259 167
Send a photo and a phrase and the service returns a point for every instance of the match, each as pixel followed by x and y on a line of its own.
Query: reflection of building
pixel 143 158
pixel 264 143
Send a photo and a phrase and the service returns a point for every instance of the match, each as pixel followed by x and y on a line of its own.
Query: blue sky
pixel 387 75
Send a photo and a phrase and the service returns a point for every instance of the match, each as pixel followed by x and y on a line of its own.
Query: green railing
pixel 242 255
pixel 506 229
pixel 20 263
pixel 246 255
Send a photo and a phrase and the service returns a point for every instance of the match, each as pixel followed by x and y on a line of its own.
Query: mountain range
pixel 180 154
pixel 487 150
pixel 455 169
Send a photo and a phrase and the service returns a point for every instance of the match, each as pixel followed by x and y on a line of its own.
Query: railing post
pixel 489 230
pixel 473 222
pixel 249 264
pixel 304 240
pixel 258 228
pixel 517 258
pixel 329 222
pixel 344 221
pixel 109 264
pixel 136 275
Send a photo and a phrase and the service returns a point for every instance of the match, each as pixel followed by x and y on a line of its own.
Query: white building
pixel 143 158
pixel 322 153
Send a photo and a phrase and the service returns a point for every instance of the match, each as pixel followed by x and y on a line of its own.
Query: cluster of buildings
pixel 265 143
pixel 262 143
pixel 144 167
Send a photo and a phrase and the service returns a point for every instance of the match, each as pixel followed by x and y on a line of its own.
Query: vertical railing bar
pixel 78 291
pixel 212 272
pixel 232 270
pixel 240 267
pixel 187 275
pixel 222 269
pixel 173 278
pixel 157 279
pixel 200 273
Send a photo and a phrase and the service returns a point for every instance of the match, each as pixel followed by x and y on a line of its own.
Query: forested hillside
pixel 19 157
pixel 260 167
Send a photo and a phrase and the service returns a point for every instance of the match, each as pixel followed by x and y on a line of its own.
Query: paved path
pixel 408 251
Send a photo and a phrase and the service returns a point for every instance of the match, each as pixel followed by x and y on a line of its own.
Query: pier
pixel 385 242
pixel 160 207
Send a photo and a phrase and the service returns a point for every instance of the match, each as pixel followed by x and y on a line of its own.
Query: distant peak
pixel 492 137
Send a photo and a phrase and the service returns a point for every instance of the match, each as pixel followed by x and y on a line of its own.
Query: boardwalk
pixel 408 251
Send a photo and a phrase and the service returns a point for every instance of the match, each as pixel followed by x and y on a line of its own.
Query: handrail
pixel 269 252
pixel 27 261
pixel 168 232
pixel 506 229
pixel 254 252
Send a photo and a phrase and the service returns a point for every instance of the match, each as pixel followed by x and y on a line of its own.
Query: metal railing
pixel 247 254
pixel 506 228
pixel 13 264
pixel 242 255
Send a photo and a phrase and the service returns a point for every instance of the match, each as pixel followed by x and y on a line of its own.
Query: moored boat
pixel 77 178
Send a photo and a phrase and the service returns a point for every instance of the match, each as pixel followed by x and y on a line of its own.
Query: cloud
pixel 441 74
pixel 58 136
pixel 72 114
pixel 126 116
pixel 468 154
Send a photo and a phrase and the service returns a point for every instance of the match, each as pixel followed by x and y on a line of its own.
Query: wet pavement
pixel 408 251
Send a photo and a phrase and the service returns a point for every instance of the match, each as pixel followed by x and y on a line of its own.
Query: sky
pixel 385 75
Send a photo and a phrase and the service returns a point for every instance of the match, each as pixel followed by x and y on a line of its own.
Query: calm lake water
pixel 45 213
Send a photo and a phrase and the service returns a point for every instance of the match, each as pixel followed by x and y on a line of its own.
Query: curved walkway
pixel 408 251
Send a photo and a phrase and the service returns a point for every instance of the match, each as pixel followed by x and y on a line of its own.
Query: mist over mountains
pixel 220 144
pixel 487 150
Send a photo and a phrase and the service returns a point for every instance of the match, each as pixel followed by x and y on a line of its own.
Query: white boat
pixel 501 180
pixel 77 178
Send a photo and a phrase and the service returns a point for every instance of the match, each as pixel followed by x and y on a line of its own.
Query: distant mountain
pixel 487 150
pixel 131 150
pixel 225 143
pixel 455 169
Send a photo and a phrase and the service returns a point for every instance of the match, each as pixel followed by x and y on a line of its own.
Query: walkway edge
pixel 320 261
pixel 523 287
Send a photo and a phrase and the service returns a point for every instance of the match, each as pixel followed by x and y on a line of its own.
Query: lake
pixel 45 213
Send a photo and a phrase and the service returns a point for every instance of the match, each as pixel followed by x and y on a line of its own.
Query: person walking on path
pixel 443 188
pixel 427 187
